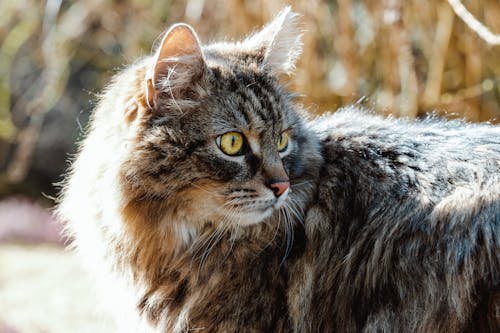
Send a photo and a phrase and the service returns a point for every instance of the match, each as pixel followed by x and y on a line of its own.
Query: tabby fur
pixel 404 234
pixel 388 225
pixel 146 197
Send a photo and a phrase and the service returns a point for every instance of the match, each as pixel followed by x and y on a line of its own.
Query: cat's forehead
pixel 248 99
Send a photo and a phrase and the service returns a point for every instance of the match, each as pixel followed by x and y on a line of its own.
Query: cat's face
pixel 237 149
pixel 221 141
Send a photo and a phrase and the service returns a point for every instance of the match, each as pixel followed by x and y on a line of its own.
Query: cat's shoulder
pixel 363 142
pixel 355 119
pixel 355 125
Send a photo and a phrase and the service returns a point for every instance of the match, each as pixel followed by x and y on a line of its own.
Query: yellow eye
pixel 231 143
pixel 283 141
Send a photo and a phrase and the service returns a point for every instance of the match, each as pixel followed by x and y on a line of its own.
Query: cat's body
pixel 167 221
pixel 408 218
pixel 188 195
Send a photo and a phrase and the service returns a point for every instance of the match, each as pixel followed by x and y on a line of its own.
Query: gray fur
pixel 390 225
pixel 405 232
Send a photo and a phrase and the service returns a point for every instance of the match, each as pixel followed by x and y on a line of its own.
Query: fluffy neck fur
pixel 146 237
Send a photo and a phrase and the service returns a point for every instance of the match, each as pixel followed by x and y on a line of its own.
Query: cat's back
pixel 431 155
pixel 414 210
pixel 359 130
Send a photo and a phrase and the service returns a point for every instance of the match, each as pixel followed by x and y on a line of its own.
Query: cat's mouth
pixel 252 211
pixel 281 199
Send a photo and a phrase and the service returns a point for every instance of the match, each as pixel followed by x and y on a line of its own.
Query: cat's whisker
pixel 200 245
pixel 220 231
pixel 231 203
pixel 275 232
pixel 298 201
pixel 237 200
pixel 291 233
pixel 234 234
pixel 302 183
pixel 234 196
pixel 207 190
pixel 288 224
pixel 296 210
pixel 287 238
pixel 214 238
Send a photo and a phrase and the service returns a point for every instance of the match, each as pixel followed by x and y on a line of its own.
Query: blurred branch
pixel 408 97
pixel 437 60
pixel 484 87
pixel 56 55
pixel 346 48
pixel 474 24
pixel 8 51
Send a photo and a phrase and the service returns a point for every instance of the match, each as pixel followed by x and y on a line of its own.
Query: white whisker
pixel 288 232
pixel 302 183
pixel 215 238
pixel 275 232
pixel 234 231
pixel 206 190
pixel 296 210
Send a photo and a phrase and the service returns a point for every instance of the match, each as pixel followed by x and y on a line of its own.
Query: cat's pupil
pixel 231 143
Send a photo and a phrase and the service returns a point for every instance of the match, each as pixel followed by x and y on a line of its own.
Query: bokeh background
pixel 400 57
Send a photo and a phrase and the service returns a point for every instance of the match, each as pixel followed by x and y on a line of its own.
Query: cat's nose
pixel 279 187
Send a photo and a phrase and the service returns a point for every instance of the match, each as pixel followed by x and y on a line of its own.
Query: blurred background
pixel 400 57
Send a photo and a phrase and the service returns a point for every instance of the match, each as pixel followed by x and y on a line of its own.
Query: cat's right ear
pixel 177 63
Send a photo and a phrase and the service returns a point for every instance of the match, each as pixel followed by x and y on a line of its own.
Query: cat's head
pixel 217 138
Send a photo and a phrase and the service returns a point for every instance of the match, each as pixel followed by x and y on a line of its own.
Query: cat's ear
pixel 177 63
pixel 280 42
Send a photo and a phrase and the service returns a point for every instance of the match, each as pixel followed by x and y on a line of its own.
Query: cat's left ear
pixel 279 42
pixel 178 61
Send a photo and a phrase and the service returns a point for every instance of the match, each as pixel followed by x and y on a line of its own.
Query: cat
pixel 182 197
pixel 203 198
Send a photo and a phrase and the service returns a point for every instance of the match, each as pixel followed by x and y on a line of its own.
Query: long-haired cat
pixel 188 154
pixel 203 200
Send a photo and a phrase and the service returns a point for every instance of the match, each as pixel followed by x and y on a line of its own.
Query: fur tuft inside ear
pixel 178 61
pixel 281 41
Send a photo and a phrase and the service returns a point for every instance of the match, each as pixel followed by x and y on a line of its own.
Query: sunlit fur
pixel 180 235
pixel 389 225
pixel 404 235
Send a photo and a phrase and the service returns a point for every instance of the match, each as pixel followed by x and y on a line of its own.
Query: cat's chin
pixel 253 217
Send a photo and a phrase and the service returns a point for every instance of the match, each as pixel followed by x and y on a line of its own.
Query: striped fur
pixel 404 235
pixel 169 223
pixel 389 225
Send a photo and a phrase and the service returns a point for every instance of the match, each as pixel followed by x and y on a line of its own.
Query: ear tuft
pixel 177 62
pixel 281 39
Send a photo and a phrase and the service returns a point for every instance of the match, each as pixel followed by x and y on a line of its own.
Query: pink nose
pixel 279 187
